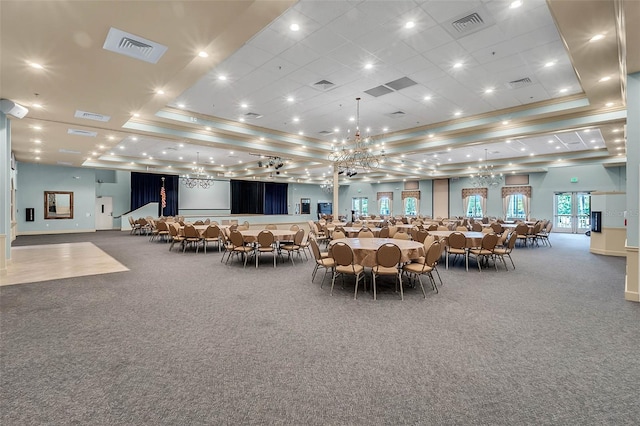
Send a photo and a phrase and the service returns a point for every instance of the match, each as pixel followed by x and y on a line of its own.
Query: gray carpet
pixel 184 339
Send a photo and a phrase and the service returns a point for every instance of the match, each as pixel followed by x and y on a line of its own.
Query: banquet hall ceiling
pixel 443 85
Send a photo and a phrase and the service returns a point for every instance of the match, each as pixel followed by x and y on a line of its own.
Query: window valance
pixel 512 190
pixel 382 195
pixel 411 194
pixel 467 192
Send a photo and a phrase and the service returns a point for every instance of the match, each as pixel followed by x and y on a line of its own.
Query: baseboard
pixel 631 295
pixel 63 231
pixel 608 252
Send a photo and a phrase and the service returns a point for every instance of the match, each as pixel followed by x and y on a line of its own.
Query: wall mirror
pixel 58 205
pixel 305 206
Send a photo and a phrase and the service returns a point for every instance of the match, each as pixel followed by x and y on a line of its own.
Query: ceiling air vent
pixel 92 116
pixel 401 83
pixel 252 115
pixel 378 91
pixel 133 46
pixel 68 151
pixel 469 23
pixel 396 114
pixel 325 132
pixel 79 132
pixel 517 84
pixel 324 85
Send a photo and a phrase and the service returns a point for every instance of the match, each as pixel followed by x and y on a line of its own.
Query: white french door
pixel 572 212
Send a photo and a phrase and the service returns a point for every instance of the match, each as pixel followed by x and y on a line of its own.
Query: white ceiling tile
pixel 271 41
pixel 485 38
pixel 300 55
pixel 321 13
pixel 443 11
pixel 323 41
pixel 381 12
pixel 428 39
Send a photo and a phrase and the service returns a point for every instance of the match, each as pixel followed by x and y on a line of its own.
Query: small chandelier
pixel 486 176
pixel 357 153
pixel 327 187
pixel 197 178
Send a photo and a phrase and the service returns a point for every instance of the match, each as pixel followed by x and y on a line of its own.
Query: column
pixel 5 192
pixel 336 193
pixel 633 176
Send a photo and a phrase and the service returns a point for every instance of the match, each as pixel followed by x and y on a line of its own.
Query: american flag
pixel 163 197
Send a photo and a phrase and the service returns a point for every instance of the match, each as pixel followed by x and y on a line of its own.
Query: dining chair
pixel 161 231
pixel 345 265
pixel 543 235
pixel 532 235
pixel 239 246
pixel 501 252
pixel 271 227
pixel 211 235
pixel 135 226
pixel 416 270
pixel 265 244
pixel 175 237
pixel 401 236
pixel 421 235
pixel 388 257
pixel 325 262
pixel 384 232
pixel 485 251
pixel 497 228
pixel 337 235
pixel 191 237
pixel 365 233
pixel 476 227
pixel 521 233
pixel 295 246
pixel 457 246
pixel 199 222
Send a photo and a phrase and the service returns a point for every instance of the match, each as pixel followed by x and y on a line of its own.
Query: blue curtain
pixel 275 198
pixel 249 197
pixel 145 188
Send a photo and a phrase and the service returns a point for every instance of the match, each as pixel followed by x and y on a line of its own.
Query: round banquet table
pixel 251 235
pixel 474 239
pixel 352 231
pixel 364 249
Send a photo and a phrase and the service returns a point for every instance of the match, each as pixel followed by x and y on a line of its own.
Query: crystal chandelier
pixel 197 178
pixel 486 176
pixel 357 153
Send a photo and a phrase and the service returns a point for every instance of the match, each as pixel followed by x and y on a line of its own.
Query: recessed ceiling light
pixel 160 92
pixel 550 141
pixel 203 54
pixel 505 122
pixel 181 105
pixel 164 152
pixel 620 148
pixel 301 133
pixel 37 141
pixel 515 4
pixel 111 138
pixel 150 158
pixel 144 154
pixel 449 149
pixel 261 138
pixel 230 152
pixel 563 90
pixel 36 105
pixel 368 66
pixel 207 128
pixel 549 64
pixel 457 65
pixel 294 27
pixel 121 147
pixel 427 98
pixel 523 149
pixel 352 119
pixel 605 78
pixel 457 113
pixel 133 138
pixel 489 90
pixel 290 99
pixel 244 106
pixel 36 127
pixel 508 141
pixel 241 119
pixel 596 37
pixel 37 158
pixel 181 145
pixel 468 155
pixel 615 130
pixel 135 114
pixel 180 158
pixel 37 151
pixel 410 24
pixel 36 65
pixel 296 119
pixel 609 104
pixel 448 159
pixel 531 154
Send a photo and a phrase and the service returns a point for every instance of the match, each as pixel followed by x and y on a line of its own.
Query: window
pixel 411 206
pixel 360 205
pixel 474 208
pixel 515 209
pixel 385 206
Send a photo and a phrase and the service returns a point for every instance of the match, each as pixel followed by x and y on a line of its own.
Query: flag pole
pixel 162 197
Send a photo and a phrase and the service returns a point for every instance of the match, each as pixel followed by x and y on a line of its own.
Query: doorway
pixel 104 213
pixel 572 212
